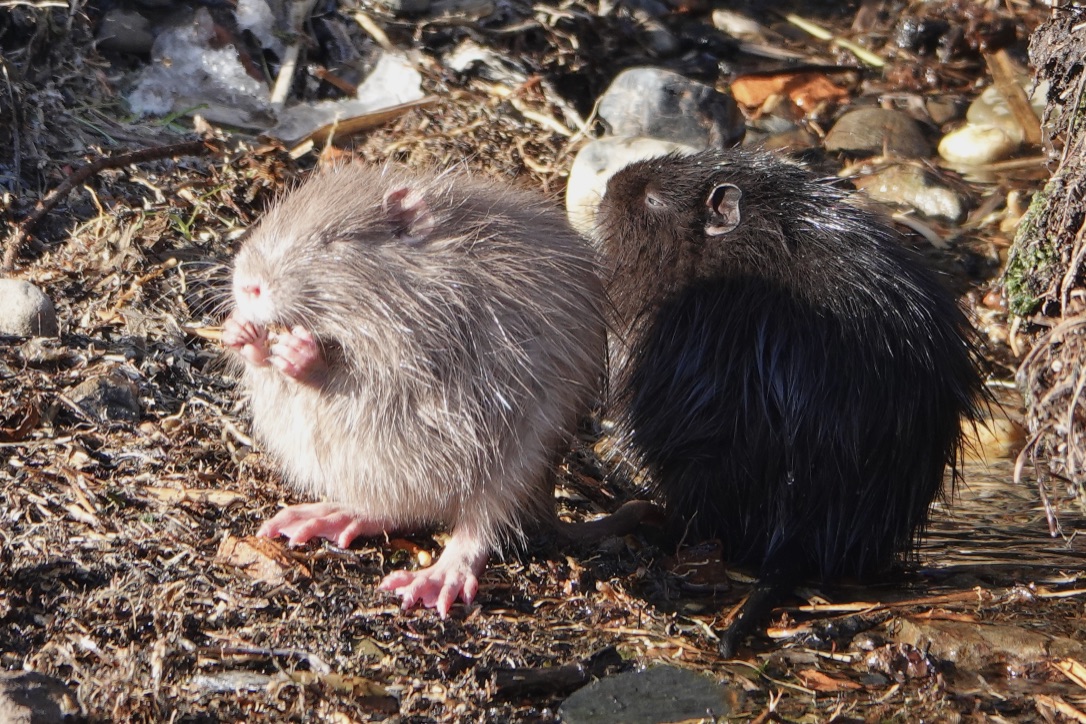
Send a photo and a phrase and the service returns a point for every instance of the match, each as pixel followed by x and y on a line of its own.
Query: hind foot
pixel 455 575
pixel 331 521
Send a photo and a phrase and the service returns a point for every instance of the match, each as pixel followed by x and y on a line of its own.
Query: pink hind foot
pixel 455 575
pixel 331 521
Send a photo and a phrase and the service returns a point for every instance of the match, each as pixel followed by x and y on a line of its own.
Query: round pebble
pixel 25 310
pixel 878 131
pixel 973 145
pixel 915 188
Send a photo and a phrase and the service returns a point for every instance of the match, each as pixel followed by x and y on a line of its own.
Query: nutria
pixel 792 379
pixel 418 349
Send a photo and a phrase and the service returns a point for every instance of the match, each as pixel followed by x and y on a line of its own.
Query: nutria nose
pixel 251 290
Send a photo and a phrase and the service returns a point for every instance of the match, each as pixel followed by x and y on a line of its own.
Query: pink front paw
pixel 297 355
pixel 247 339
pixel 331 521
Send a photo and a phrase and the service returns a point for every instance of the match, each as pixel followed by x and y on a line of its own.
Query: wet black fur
pixel 795 387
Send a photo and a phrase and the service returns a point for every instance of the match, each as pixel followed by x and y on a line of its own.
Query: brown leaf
pixel 216 498
pixel 262 559
pixel 818 681
pixel 16 425
pixel 701 565
pixel 806 90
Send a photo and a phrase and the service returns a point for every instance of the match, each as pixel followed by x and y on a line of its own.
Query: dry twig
pixel 22 230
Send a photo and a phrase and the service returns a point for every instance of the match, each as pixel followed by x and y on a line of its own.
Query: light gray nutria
pixel 418 348
pixel 792 379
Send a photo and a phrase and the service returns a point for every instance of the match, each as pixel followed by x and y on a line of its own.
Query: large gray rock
pixel 27 697
pixel 25 311
pixel 655 695
pixel 657 103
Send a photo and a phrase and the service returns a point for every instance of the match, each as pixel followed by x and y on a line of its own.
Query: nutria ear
pixel 409 214
pixel 723 203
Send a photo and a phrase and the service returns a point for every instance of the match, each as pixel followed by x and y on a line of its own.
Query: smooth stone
pixel 656 103
pixel 945 109
pixel 29 697
pixel 990 108
pixel 660 41
pixel 878 131
pixel 597 162
pixel 653 696
pixel 108 398
pixel 976 646
pixel 25 310
pixel 125 31
pixel 796 139
pixel 916 188
pixel 973 145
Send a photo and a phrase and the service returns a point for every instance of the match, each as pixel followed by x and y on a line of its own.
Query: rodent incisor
pixel 792 379
pixel 442 335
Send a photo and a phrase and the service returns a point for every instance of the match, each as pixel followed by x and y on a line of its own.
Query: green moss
pixel 1033 259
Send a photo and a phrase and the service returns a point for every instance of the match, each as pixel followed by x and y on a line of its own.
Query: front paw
pixel 297 354
pixel 249 340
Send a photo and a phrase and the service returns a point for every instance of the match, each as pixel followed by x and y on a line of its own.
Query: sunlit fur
pixel 459 362
pixel 794 387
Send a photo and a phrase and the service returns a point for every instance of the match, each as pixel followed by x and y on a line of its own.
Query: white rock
pixel 738 25
pixel 597 162
pixel 974 145
pixel 991 109
pixel 25 311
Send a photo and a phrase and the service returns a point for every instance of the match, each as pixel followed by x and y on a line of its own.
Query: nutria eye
pixel 653 201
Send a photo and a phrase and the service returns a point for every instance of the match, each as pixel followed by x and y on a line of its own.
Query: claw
pixel 455 575
pixel 331 521
pixel 297 355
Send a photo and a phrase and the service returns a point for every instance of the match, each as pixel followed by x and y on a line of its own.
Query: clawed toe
pixel 433 587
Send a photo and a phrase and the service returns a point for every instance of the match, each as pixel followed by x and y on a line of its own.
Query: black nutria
pixel 418 349
pixel 790 377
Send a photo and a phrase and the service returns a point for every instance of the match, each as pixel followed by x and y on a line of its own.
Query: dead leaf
pixel 216 498
pixel 824 683
pixel 701 565
pixel 806 90
pixel 261 559
pixel 1073 670
pixel 16 425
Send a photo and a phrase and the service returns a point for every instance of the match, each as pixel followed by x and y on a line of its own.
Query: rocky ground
pixel 131 586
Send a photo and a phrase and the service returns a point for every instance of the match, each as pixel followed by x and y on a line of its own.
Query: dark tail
pixel 753 613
